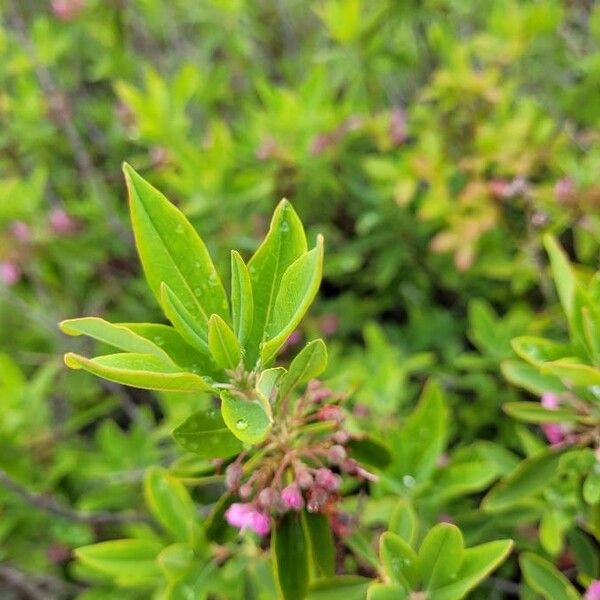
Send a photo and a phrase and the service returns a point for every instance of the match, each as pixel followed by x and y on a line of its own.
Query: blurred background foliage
pixel 432 143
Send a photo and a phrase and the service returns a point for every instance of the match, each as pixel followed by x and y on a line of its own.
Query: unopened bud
pixel 292 498
pixel 233 476
pixel 330 413
pixel 245 491
pixel 303 478
pixel 327 479
pixel 336 454
pixel 268 497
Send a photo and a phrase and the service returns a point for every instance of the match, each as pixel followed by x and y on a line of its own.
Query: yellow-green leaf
pixel 144 371
pixel 242 303
pixel 246 418
pixel 222 343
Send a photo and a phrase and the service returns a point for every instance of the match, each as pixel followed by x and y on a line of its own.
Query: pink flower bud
pixel 20 231
pixel 550 401
pixel 303 478
pixel 61 222
pixel 267 149
pixel 317 499
pixel 328 324
pixel 341 437
pixel 445 518
pixel 268 498
pixel 336 454
pixel 66 10
pixel 245 491
pixel 10 273
pixel 327 479
pixel 247 516
pixel 499 189
pixel 233 476
pixel 292 498
pixel 398 132
pixel 554 432
pixel 317 391
pixel 593 591
pixel 330 413
pixel 564 189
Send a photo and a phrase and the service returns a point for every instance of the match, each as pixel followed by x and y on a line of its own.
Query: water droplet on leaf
pixel 241 424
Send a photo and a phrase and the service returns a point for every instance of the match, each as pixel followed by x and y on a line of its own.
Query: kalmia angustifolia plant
pixel 288 449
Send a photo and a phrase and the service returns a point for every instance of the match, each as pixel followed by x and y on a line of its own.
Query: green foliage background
pixel 431 142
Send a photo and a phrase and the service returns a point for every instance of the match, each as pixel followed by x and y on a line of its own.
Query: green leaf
pixel 268 380
pixel 283 244
pixel 348 587
pixel 399 560
pixel 171 505
pixel 290 557
pixel 528 376
pixel 242 303
pixel 545 579
pixel 204 433
pixel 309 363
pixel 573 372
pixel 562 274
pixel 175 561
pixel 123 558
pixel 366 449
pixel 585 553
pixel 224 346
pixel 144 371
pixel 440 555
pixel 179 351
pixel 299 286
pixel 529 478
pixel 591 485
pixel 172 252
pixel 193 331
pixel 246 418
pixel 551 530
pixel 419 443
pixel 404 521
pixel 322 549
pixel 533 412
pixel 386 591
pixel 536 350
pixel 116 335
pixel 478 562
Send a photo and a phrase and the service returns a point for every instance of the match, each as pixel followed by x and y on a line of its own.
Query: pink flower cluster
pixel 311 468
pixel 593 591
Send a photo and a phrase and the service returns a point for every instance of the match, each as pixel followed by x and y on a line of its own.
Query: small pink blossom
pixel 550 401
pixel 398 133
pixel 564 189
pixel 593 591
pixel 247 516
pixel 327 479
pixel 268 498
pixel 292 498
pixel 245 491
pixel 61 222
pixel 66 10
pixel 317 391
pixel 20 231
pixel 328 324
pixel 10 272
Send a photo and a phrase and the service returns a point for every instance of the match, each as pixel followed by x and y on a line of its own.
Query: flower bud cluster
pixel 299 470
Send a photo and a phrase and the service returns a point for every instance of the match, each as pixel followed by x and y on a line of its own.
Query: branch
pixel 49 504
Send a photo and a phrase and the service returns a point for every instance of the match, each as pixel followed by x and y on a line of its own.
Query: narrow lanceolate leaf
pixel 309 363
pixel 562 274
pixel 171 250
pixel 242 304
pixel 403 521
pixel 529 478
pixel 545 579
pixel 204 433
pixel 529 377
pixel 299 286
pixel 268 380
pixel 246 418
pixel 171 505
pixel 533 412
pixel 123 559
pixel 440 555
pixel 348 587
pixel 115 335
pixel 322 549
pixel 144 371
pixel 290 557
pixel 572 371
pixel 398 559
pixel 478 562
pixel 283 244
pixel 222 343
pixel 387 591
pixel 193 331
